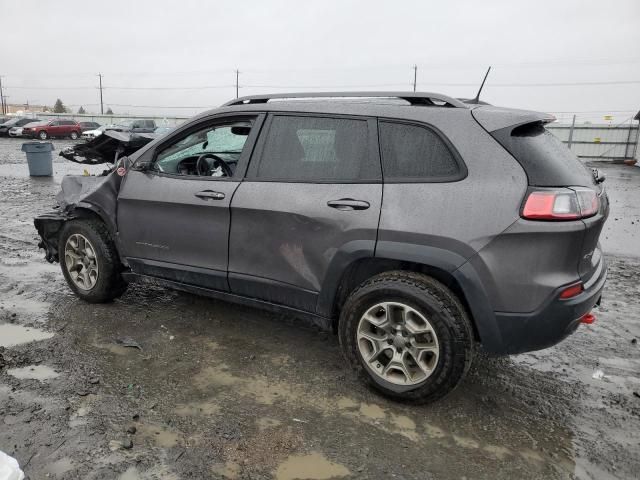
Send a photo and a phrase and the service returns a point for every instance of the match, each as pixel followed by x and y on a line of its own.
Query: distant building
pixel 22 108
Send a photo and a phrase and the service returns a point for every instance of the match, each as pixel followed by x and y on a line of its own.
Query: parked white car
pixel 17 131
pixel 91 134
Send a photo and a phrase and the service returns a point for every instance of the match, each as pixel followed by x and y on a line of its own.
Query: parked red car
pixel 53 128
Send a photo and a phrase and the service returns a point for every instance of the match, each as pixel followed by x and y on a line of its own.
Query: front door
pixel 173 217
pixel 310 204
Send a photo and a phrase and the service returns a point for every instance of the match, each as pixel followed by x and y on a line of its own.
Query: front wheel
pixel 74 135
pixel 89 261
pixel 406 335
pixel 43 135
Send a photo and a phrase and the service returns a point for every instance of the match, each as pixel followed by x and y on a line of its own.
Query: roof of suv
pixel 408 105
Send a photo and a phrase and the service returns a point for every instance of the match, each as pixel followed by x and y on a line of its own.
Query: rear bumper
pixel 551 323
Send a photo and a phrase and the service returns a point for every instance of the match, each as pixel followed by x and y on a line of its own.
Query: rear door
pixel 173 223
pixel 53 130
pixel 310 204
pixel 67 126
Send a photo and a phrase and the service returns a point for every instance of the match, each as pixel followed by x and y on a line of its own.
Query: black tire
pixel 42 135
pixel 446 315
pixel 110 283
pixel 74 135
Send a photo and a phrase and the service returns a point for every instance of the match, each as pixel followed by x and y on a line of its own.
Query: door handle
pixel 206 194
pixel 348 204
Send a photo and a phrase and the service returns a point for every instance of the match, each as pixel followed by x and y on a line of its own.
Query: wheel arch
pixel 449 268
pixel 50 225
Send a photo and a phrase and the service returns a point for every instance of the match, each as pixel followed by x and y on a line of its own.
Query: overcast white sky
pixel 49 48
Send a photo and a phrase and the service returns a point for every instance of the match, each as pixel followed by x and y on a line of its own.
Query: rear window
pixel 415 152
pixel 547 161
pixel 310 149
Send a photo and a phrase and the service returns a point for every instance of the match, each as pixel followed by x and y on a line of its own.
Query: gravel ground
pixel 166 385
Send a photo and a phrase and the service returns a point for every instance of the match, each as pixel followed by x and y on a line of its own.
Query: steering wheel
pixel 204 170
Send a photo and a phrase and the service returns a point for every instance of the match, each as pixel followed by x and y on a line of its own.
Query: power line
pixel 440 84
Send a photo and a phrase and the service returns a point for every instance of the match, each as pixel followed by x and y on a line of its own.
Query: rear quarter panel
pixel 462 216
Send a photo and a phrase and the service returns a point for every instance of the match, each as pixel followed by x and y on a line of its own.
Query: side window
pixel 415 152
pixel 213 151
pixel 317 149
pixel 55 123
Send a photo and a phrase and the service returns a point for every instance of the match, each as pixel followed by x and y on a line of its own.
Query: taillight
pixel 572 291
pixel 561 204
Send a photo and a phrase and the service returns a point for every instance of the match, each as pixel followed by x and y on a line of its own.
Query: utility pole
pixel 415 76
pixel 573 125
pixel 237 86
pixel 101 105
pixel 4 110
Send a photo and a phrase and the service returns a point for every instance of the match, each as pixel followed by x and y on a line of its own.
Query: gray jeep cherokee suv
pixel 413 224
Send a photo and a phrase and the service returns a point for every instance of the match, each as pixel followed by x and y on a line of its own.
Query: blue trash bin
pixel 39 158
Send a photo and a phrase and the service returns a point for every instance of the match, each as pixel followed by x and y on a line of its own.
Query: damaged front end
pixel 89 196
pixel 107 148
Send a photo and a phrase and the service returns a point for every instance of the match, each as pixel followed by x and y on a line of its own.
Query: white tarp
pixel 9 468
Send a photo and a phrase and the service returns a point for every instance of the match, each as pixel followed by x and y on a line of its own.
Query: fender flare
pixel 453 263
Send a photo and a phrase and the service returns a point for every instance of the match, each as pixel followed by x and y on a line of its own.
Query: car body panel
pixel 145 203
pixel 454 215
pixel 297 235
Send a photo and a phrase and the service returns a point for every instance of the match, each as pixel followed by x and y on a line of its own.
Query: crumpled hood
pixel 107 148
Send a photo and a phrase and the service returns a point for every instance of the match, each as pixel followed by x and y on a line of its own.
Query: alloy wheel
pixel 81 262
pixel 398 343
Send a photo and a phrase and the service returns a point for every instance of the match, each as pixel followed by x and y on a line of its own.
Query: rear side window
pixel 310 149
pixel 413 152
pixel 547 161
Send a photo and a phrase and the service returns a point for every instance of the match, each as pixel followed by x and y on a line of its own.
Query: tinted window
pixel 547 161
pixel 412 151
pixel 317 149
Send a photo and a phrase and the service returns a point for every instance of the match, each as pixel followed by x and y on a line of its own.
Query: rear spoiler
pixel 496 118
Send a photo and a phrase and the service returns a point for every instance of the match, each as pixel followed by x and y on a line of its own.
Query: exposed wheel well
pixel 361 270
pixel 49 227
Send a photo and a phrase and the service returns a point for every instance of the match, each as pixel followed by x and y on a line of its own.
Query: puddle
pixel 161 436
pixel 60 467
pixel 372 411
pixel 11 335
pixel 154 473
pixel 33 372
pixel 266 423
pixel 312 467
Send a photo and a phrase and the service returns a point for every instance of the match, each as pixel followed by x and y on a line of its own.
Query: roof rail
pixel 414 98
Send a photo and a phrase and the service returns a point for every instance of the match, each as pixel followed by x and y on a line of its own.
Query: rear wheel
pixel 43 135
pixel 89 261
pixel 74 135
pixel 407 335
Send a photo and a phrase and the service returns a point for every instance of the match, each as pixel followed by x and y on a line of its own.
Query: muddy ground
pixel 166 385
